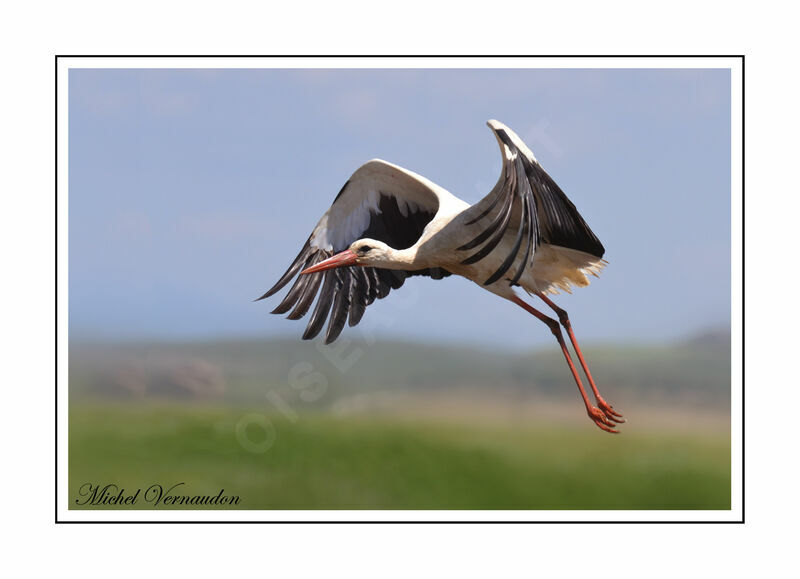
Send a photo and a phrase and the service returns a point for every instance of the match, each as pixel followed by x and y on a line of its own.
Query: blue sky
pixel 190 192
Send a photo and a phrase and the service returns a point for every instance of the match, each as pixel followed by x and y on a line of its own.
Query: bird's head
pixel 362 252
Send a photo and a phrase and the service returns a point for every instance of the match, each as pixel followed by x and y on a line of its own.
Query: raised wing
pixel 527 205
pixel 380 201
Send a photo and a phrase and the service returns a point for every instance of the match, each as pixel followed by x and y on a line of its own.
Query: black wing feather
pixel 544 215
pixel 341 303
pixel 499 222
pixel 561 223
pixel 294 295
pixel 293 269
pixel 514 250
pixel 359 296
pixel 531 241
pixel 323 306
pixel 309 292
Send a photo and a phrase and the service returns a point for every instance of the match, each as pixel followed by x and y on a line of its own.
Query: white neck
pixel 404 259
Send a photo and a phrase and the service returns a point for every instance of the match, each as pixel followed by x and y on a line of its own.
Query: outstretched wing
pixel 380 201
pixel 527 205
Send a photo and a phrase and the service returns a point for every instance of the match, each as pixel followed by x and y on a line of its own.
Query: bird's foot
pixel 609 411
pixel 601 420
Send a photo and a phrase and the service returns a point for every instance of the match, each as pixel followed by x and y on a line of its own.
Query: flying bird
pixel 388 223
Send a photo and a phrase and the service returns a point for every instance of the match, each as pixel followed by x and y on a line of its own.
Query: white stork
pixel 388 223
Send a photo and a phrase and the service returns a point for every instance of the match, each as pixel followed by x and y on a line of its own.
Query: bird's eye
pixel 364 248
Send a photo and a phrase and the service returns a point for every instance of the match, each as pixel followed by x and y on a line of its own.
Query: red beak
pixel 346 257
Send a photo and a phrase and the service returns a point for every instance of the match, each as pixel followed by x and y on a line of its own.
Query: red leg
pixel 563 317
pixel 597 415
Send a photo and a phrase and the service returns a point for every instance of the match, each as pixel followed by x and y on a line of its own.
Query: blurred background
pixel 190 192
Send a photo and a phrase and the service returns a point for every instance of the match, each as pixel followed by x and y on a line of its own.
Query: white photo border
pixel 735 63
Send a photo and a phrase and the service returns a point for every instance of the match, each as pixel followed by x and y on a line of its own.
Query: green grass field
pixel 323 462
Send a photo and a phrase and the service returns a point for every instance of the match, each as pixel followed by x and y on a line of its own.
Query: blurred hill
pixel 694 372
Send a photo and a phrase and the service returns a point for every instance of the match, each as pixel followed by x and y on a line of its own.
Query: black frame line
pixel 391 56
